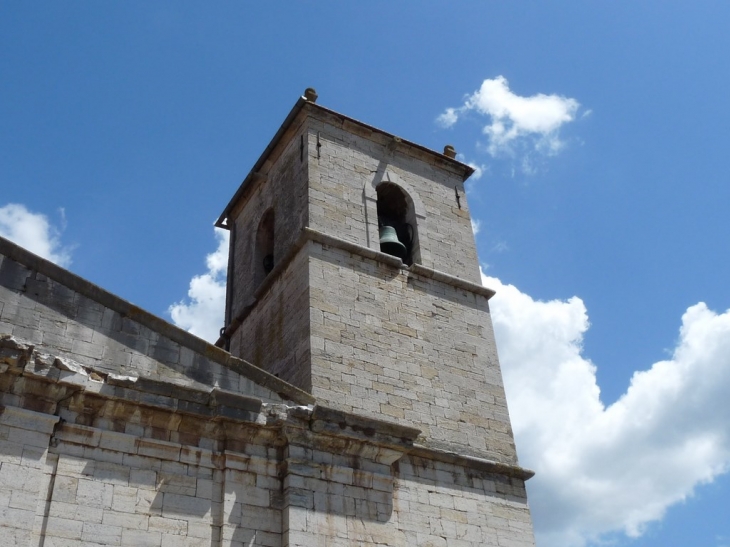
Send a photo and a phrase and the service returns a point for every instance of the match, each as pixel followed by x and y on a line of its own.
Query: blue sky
pixel 126 127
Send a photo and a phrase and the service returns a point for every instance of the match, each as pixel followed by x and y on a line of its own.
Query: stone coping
pixel 20 358
pixel 147 319
pixel 472 462
pixel 329 420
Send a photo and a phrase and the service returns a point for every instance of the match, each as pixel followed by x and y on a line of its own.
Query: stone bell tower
pixel 397 329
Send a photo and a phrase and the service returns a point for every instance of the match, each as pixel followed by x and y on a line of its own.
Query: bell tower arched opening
pixel 396 223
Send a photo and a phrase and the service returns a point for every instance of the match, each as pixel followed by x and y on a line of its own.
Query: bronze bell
pixel 390 244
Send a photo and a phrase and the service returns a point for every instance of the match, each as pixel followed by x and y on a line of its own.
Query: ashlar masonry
pixel 354 397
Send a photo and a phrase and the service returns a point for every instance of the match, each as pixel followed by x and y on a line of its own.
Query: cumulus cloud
pixel 536 119
pixel 478 171
pixel 448 118
pixel 202 313
pixel 602 469
pixel 34 232
pixel 476 225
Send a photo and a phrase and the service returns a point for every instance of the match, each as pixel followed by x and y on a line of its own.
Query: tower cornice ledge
pixel 418 269
pixel 472 462
pixel 310 234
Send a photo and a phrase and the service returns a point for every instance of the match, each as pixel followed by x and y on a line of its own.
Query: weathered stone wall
pixel 275 334
pixel 388 342
pixel 26 472
pixel 79 485
pixel 283 188
pixel 91 460
pixel 93 328
pixel 440 504
pixel 64 484
pixel 344 172
pixel 413 502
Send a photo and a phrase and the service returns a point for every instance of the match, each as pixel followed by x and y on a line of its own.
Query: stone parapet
pixel 62 313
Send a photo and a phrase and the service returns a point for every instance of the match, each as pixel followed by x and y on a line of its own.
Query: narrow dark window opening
pixel 264 255
pixel 396 226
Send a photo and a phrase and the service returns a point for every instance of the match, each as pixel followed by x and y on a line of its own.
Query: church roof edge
pixel 302 103
pixel 77 283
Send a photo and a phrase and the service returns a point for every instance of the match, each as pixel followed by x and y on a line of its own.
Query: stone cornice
pixel 320 427
pixel 310 234
pixel 312 109
pixel 472 462
pixel 416 269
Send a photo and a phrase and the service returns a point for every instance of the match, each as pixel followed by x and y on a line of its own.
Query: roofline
pixel 33 262
pixel 293 113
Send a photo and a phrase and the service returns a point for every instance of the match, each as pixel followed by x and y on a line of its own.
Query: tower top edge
pixel 306 106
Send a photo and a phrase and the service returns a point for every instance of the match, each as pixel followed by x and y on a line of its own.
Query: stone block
pixel 101 533
pixel 144 478
pixel 176 484
pixel 64 528
pixel 158 449
pixel 130 521
pixel 119 442
pixel 168 526
pixel 92 493
pixel 178 504
pixel 124 499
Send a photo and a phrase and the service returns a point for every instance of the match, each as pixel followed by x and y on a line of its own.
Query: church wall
pixel 386 342
pixel 91 461
pixel 26 470
pixel 414 502
pixel 70 485
pixel 390 343
pixel 439 504
pixel 275 335
pixel 71 325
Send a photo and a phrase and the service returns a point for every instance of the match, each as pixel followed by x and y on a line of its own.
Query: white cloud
pixel 500 247
pixel 476 225
pixel 448 118
pixel 202 313
pixel 478 171
pixel 537 118
pixel 617 468
pixel 34 232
